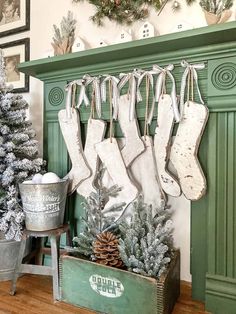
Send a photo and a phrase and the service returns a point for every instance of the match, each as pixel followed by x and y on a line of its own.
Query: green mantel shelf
pixel 161 45
pixel 213 218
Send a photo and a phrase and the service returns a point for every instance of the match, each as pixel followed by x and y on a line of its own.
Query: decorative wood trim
pixel 213 219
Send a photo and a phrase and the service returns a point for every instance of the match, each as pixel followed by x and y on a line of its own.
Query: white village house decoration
pixel 100 43
pixel 78 45
pixel 146 30
pixel 123 37
pixel 181 26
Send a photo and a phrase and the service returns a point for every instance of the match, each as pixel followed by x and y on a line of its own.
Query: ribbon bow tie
pixel 162 73
pixel 191 69
pixel 115 92
pixel 149 76
pixel 86 81
pixel 131 78
pixel 68 89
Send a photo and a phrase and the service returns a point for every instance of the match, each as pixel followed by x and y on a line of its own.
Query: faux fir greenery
pixel 126 11
pixel 64 36
pixel 95 220
pixel 18 157
pixel 146 243
pixel 216 6
pixel 122 11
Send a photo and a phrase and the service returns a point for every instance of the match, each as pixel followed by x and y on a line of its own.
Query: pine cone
pixel 106 250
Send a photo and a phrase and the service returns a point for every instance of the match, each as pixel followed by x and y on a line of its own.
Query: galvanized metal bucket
pixel 9 251
pixel 44 204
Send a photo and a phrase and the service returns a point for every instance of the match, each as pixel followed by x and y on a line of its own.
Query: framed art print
pixel 14 16
pixel 14 53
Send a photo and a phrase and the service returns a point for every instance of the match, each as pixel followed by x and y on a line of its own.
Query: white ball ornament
pixel 27 182
pixel 37 178
pixel 50 177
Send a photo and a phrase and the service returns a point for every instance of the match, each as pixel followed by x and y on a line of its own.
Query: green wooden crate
pixel 114 291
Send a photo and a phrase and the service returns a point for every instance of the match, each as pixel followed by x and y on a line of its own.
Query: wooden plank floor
pixel 34 296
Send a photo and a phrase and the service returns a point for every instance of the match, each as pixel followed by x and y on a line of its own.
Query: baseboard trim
pixel 220 294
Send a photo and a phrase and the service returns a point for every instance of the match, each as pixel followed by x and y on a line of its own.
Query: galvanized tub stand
pixel 44 204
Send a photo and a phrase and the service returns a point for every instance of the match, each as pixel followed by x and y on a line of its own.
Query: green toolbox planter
pixel 113 291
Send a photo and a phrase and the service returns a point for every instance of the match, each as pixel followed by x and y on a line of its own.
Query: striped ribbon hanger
pixel 131 79
pixel 83 98
pixel 190 71
pixel 70 88
pixel 84 83
pixel 160 83
pixel 149 84
pixel 113 89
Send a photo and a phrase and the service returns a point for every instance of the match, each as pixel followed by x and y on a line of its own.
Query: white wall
pixel 45 13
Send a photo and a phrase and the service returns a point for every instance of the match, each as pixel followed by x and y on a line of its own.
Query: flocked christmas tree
pixel 98 240
pixel 18 156
pixel 146 243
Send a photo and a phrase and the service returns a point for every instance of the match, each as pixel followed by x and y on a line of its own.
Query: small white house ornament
pixel 48 53
pixel 146 30
pixel 181 26
pixel 101 43
pixel 78 45
pixel 124 36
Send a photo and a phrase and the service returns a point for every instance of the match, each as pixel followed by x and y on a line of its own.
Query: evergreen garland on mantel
pixel 125 11
pixel 122 11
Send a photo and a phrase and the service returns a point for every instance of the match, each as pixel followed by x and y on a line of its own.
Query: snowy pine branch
pixel 95 220
pixel 146 243
pixel 18 161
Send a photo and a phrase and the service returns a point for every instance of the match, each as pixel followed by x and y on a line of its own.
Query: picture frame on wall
pixel 14 16
pixel 14 53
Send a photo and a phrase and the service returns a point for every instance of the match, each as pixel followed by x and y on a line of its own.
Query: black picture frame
pixel 15 19
pixel 16 52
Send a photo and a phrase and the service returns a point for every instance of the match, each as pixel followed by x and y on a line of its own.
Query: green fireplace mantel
pixel 213 218
pixel 194 42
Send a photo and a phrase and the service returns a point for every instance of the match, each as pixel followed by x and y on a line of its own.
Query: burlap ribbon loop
pixel 69 89
pixel 115 92
pixel 162 73
pixel 130 78
pixel 95 81
pixel 190 71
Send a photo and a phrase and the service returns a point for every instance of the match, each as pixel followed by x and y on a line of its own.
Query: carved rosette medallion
pixel 224 76
pixel 56 96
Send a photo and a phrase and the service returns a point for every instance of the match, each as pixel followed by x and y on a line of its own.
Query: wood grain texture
pixel 70 128
pixel 134 146
pixel 184 150
pixel 111 157
pixel 34 296
pixel 143 170
pixel 95 134
pixel 162 139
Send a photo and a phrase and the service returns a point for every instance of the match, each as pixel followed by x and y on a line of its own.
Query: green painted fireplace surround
pixel 213 218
